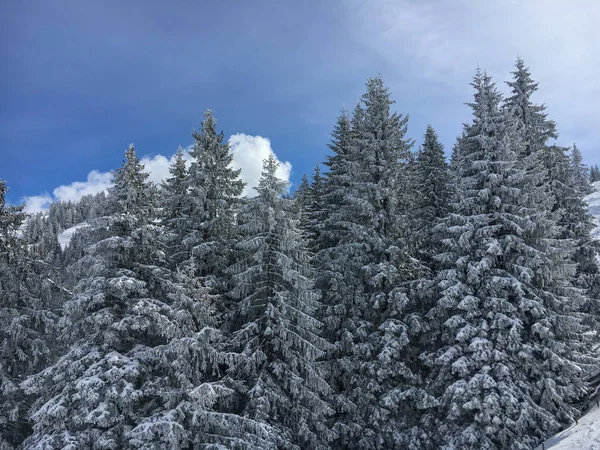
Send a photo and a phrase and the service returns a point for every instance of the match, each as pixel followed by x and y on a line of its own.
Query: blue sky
pixel 82 79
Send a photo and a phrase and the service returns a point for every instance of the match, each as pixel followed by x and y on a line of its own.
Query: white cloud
pixel 96 182
pixel 37 203
pixel 248 154
pixel 443 41
pixel 157 166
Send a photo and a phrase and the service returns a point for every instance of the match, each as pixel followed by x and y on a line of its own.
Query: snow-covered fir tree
pixel 336 180
pixel 301 192
pixel 302 198
pixel 362 274
pixel 174 215
pixel 274 326
pixel 433 189
pixel 318 208
pixel 537 128
pixel 41 236
pixel 581 176
pixel 140 370
pixel 507 354
pixel 214 191
pixel 27 321
pixel 311 206
pixel 561 186
pixel 594 174
pixel 570 185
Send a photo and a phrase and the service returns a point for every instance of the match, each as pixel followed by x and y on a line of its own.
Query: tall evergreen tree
pixel 362 276
pixel 317 210
pixel 175 212
pixel 140 371
pixel 580 172
pixel 433 189
pixel 559 197
pixel 311 206
pixel 594 174
pixel 303 200
pixel 506 361
pixel 275 327
pixel 336 180
pixel 213 200
pixel 578 224
pixel 538 129
pixel 27 321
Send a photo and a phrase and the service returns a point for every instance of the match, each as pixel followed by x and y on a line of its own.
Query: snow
pixel 582 436
pixel 64 238
pixel 593 201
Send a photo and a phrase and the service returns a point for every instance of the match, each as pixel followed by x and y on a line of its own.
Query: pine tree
pixel 275 327
pixel 336 180
pixel 303 199
pixel 594 174
pixel 140 371
pixel 317 210
pixel 27 321
pixel 213 200
pixel 175 198
pixel 433 188
pixel 363 276
pixel 311 206
pixel 561 188
pixel 506 361
pixel 578 224
pixel 537 128
pixel 580 172
pixel 301 192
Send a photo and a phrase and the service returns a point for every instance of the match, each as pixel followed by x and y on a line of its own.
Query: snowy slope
pixel 64 238
pixel 583 436
pixel 593 201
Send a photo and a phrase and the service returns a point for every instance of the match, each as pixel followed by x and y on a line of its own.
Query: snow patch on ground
pixel 582 436
pixel 593 201
pixel 64 238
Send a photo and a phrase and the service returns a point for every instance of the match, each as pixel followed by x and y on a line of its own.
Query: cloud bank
pixel 248 155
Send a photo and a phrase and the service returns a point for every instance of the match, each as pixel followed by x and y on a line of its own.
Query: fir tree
pixel 317 210
pixel 433 188
pixel 175 198
pixel 302 198
pixel 140 371
pixel 580 172
pixel 27 321
pixel 594 174
pixel 507 362
pixel 311 206
pixel 363 277
pixel 563 224
pixel 538 129
pixel 275 327
pixel 336 180
pixel 560 188
pixel 213 200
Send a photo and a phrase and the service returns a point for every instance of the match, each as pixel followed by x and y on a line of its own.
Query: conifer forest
pixel 395 299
